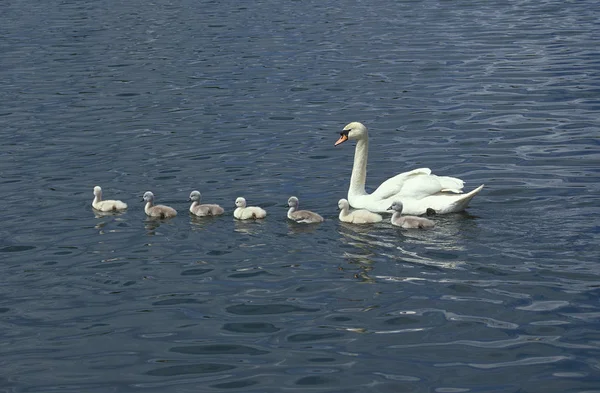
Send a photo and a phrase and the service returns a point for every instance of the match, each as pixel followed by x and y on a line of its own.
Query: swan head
pixel 148 196
pixel 240 202
pixel 97 191
pixel 293 202
pixel 195 196
pixel 352 131
pixel 396 206
pixel 343 204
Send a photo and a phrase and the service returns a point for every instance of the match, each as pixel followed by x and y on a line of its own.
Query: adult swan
pixel 418 189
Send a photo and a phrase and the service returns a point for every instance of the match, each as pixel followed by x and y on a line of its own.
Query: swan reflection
pixel 294 228
pixel 441 247
pixel 249 227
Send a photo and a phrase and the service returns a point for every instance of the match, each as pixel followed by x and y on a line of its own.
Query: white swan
pixel 362 216
pixel 418 189
pixel 108 205
pixel 247 213
pixel 301 216
pixel 160 211
pixel 408 222
pixel 203 210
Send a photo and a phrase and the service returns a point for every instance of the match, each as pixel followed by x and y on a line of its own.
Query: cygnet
pixel 301 216
pixel 203 210
pixel 160 211
pixel 362 216
pixel 408 222
pixel 247 213
pixel 108 205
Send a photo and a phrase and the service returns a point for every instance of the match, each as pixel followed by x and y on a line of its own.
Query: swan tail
pixel 462 202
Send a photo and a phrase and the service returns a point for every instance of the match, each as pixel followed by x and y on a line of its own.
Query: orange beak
pixel 342 139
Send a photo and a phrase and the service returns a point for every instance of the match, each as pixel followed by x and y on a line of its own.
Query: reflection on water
pixel 151 224
pixel 441 247
pixel 249 227
pixel 100 214
pixel 295 229
pixel 203 223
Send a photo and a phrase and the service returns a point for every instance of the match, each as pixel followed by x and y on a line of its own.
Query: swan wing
pixel 305 217
pixel 413 182
pixel 419 183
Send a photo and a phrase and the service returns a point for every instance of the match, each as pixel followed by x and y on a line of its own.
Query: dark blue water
pixel 247 99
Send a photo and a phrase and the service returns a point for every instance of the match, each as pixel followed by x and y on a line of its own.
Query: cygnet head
pixel 240 202
pixel 97 191
pixel 352 131
pixel 396 206
pixel 148 196
pixel 195 196
pixel 343 204
pixel 293 202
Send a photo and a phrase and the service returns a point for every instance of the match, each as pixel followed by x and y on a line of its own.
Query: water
pixel 247 99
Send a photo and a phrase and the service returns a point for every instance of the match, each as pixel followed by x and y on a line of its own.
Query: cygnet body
pixel 108 205
pixel 243 212
pixel 160 211
pixel 203 210
pixel 362 216
pixel 408 222
pixel 301 216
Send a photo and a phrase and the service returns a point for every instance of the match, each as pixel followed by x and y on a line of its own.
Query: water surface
pixel 246 99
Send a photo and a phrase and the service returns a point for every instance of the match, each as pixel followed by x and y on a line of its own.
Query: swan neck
pixel 290 211
pixel 359 169
pixel 148 206
pixel 343 212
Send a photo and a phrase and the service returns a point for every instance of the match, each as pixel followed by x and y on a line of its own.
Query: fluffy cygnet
pixel 108 205
pixel 408 222
pixel 203 210
pixel 301 216
pixel 160 211
pixel 247 213
pixel 362 216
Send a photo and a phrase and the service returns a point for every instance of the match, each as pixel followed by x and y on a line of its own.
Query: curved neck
pixel 97 198
pixel 148 206
pixel 344 212
pixel 194 204
pixel 290 211
pixel 359 169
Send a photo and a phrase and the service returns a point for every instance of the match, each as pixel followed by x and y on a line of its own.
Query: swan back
pixel 108 205
pixel 301 216
pixel 160 211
